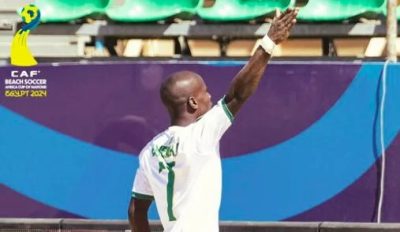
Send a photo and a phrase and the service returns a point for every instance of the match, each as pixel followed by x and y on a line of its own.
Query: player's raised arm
pixel 246 81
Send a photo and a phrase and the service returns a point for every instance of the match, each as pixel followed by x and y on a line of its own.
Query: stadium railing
pixel 123 35
pixel 79 225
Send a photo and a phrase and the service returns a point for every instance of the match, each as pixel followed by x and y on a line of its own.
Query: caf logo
pixel 20 53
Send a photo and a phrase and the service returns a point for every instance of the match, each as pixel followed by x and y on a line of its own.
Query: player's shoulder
pixel 155 140
pixel 217 112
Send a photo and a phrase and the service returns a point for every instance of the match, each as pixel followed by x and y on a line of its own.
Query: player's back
pixel 181 169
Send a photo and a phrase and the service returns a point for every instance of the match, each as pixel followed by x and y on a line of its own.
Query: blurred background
pixel 197 29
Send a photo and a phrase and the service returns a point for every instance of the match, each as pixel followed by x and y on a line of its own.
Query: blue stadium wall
pixel 306 147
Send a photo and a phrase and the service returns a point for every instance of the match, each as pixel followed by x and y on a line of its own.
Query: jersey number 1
pixel 170 190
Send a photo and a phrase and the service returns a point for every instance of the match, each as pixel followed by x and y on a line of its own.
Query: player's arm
pixel 246 81
pixel 137 213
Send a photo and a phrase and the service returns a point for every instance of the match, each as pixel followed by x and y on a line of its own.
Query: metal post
pixel 391 25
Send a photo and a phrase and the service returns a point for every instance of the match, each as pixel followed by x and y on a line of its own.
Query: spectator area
pixel 197 28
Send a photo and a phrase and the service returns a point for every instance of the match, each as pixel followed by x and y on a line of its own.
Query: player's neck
pixel 183 121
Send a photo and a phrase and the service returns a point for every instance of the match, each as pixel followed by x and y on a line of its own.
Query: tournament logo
pixel 30 82
pixel 20 53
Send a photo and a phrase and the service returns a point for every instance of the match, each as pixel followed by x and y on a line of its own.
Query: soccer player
pixel 181 167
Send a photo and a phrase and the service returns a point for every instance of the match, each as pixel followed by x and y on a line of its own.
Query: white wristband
pixel 267 44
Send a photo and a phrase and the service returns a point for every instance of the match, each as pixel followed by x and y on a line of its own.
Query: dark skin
pixel 186 98
pixel 137 215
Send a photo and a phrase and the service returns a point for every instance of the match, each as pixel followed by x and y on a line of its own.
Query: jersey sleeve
pixel 141 186
pixel 212 126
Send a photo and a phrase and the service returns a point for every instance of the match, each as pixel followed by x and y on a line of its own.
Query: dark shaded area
pixel 128 134
pixel 358 202
pixel 14 204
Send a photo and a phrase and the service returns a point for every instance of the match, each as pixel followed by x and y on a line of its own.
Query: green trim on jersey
pixel 227 111
pixel 142 196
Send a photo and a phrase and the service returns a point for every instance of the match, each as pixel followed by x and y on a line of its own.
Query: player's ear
pixel 193 103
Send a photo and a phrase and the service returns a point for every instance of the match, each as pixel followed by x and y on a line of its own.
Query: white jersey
pixel 181 169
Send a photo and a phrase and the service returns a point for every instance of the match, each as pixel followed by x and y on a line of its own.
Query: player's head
pixel 185 94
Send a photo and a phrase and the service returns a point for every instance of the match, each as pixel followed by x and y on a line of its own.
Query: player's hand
pixel 282 24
